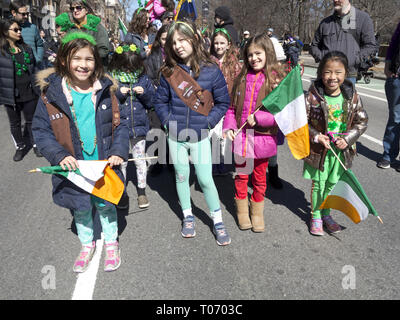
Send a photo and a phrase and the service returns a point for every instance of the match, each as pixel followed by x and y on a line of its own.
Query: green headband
pixel 78 35
pixel 126 48
pixel 224 31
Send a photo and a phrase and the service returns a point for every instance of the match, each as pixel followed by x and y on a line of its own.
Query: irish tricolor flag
pixel 286 102
pixel 94 177
pixel 349 197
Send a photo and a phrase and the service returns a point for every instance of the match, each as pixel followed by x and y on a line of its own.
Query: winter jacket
pixel 178 118
pixel 356 42
pixel 136 106
pixel 231 72
pixel 153 65
pixel 31 36
pixel 256 144
pixel 317 113
pixel 7 74
pixel 393 52
pixel 138 41
pixel 65 193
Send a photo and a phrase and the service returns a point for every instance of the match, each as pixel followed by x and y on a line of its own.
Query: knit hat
pixel 223 13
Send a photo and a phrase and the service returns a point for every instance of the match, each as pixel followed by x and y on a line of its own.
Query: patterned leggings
pixel 138 151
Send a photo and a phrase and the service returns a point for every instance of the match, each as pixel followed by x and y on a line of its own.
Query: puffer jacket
pixel 7 74
pixel 30 34
pixel 136 106
pixel 317 113
pixel 252 144
pixel 179 119
pixel 65 193
pixel 138 41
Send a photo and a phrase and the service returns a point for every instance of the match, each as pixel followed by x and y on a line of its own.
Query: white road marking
pixel 86 281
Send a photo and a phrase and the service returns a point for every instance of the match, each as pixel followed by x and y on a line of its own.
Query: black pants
pixel 14 116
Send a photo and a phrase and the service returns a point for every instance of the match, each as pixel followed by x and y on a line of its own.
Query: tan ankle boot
pixel 257 216
pixel 242 212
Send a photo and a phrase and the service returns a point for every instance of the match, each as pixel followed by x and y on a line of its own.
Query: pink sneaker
pixel 316 227
pixel 84 258
pixel 112 259
pixel 331 225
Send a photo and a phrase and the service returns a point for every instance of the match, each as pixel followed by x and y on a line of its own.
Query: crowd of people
pixel 88 104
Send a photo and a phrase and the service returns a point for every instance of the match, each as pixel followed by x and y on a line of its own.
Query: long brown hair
pixel 199 56
pixel 138 24
pixel 231 61
pixel 272 68
pixel 67 51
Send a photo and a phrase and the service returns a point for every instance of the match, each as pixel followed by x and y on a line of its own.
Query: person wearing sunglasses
pixel 81 17
pixel 30 32
pixel 18 93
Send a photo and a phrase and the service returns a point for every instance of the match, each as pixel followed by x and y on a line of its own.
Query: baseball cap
pixel 246 32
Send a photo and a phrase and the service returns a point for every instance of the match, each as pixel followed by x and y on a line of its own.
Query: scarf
pixel 126 77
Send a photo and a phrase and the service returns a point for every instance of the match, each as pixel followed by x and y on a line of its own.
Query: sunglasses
pixel 16 29
pixel 78 8
pixel 24 14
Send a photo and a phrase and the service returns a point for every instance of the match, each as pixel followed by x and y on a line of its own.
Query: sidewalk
pixel 309 62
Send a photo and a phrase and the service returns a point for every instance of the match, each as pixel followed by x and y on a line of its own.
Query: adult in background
pixel 30 32
pixel 280 53
pixel 82 18
pixel 392 88
pixel 17 74
pixel 223 19
pixel 348 30
pixel 139 32
pixel 50 50
pixel 246 37
pixel 167 17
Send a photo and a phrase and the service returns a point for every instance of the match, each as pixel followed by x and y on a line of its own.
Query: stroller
pixel 364 68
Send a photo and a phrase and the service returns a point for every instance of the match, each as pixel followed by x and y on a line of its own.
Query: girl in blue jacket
pixel 188 129
pixel 135 94
pixel 82 95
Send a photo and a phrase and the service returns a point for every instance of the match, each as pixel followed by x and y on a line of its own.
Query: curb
pixel 376 76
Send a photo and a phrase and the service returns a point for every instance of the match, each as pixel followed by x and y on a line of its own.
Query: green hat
pixel 63 21
pixel 78 35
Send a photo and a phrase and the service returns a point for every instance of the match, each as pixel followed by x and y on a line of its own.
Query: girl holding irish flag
pixel 78 118
pixel 336 119
pixel 257 142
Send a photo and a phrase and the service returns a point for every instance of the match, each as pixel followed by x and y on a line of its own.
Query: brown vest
pixel 238 102
pixel 60 122
pixel 188 90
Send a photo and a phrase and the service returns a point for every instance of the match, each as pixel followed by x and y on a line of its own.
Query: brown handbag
pixel 189 91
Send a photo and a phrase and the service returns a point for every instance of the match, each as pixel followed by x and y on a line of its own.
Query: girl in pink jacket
pixel 257 141
pixel 159 7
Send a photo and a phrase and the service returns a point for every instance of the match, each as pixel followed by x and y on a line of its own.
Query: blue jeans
pixel 392 132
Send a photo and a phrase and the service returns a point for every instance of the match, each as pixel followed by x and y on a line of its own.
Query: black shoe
pixel 37 152
pixel 123 203
pixel 19 154
pixel 383 164
pixel 273 178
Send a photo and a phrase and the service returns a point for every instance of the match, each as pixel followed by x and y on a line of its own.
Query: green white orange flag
pixel 94 177
pixel 349 197
pixel 286 102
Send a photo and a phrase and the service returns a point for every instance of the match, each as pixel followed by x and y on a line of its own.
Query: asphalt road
pixel 39 242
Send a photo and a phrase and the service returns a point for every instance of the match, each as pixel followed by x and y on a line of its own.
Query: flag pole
pixel 244 124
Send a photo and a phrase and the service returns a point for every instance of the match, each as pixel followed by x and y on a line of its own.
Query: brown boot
pixel 257 216
pixel 242 212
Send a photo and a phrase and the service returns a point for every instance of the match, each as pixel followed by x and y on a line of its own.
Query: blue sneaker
pixel 188 227
pixel 222 235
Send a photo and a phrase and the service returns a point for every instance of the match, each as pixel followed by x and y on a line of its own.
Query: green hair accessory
pixel 63 21
pixel 78 35
pixel 126 48
pixel 224 31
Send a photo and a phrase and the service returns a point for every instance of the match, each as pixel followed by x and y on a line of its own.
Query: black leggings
pixel 14 116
